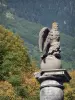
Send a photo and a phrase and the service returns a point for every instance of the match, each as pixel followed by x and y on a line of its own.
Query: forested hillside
pixel 19 45
pixel 17 81
pixel 29 32
pixel 47 11
pixel 16 69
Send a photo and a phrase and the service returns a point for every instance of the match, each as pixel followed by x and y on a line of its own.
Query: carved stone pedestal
pixel 51 87
pixel 51 76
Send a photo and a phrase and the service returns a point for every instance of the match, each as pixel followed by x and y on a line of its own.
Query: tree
pixel 70 88
pixel 16 68
pixel 13 55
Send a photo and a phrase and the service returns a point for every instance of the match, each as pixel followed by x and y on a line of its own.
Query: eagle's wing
pixel 47 44
pixel 42 38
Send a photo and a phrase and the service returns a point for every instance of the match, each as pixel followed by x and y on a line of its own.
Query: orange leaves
pixel 72 73
pixel 70 88
pixel 16 67
pixel 30 82
pixel 6 89
pixel 67 88
pixel 9 33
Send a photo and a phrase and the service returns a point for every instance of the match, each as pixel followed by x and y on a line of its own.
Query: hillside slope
pixel 47 11
pixel 30 31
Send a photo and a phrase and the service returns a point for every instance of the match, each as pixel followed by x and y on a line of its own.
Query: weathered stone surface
pixel 49 45
pixel 54 74
pixel 51 83
pixel 51 90
pixel 51 63
pixel 51 93
pixel 51 76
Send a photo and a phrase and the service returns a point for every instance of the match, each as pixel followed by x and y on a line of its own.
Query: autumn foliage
pixel 70 88
pixel 17 80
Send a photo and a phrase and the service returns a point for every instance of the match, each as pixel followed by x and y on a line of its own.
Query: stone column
pixel 51 76
pixel 51 87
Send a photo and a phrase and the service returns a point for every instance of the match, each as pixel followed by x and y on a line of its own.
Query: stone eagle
pixel 44 40
pixel 49 41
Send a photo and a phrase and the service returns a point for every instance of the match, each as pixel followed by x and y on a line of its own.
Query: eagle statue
pixel 49 41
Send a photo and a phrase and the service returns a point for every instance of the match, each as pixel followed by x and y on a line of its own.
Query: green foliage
pixel 22 91
pixel 15 80
pixel 16 69
pixel 69 96
pixel 13 55
pixel 30 31
pixel 70 88
pixel 67 65
pixel 4 98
